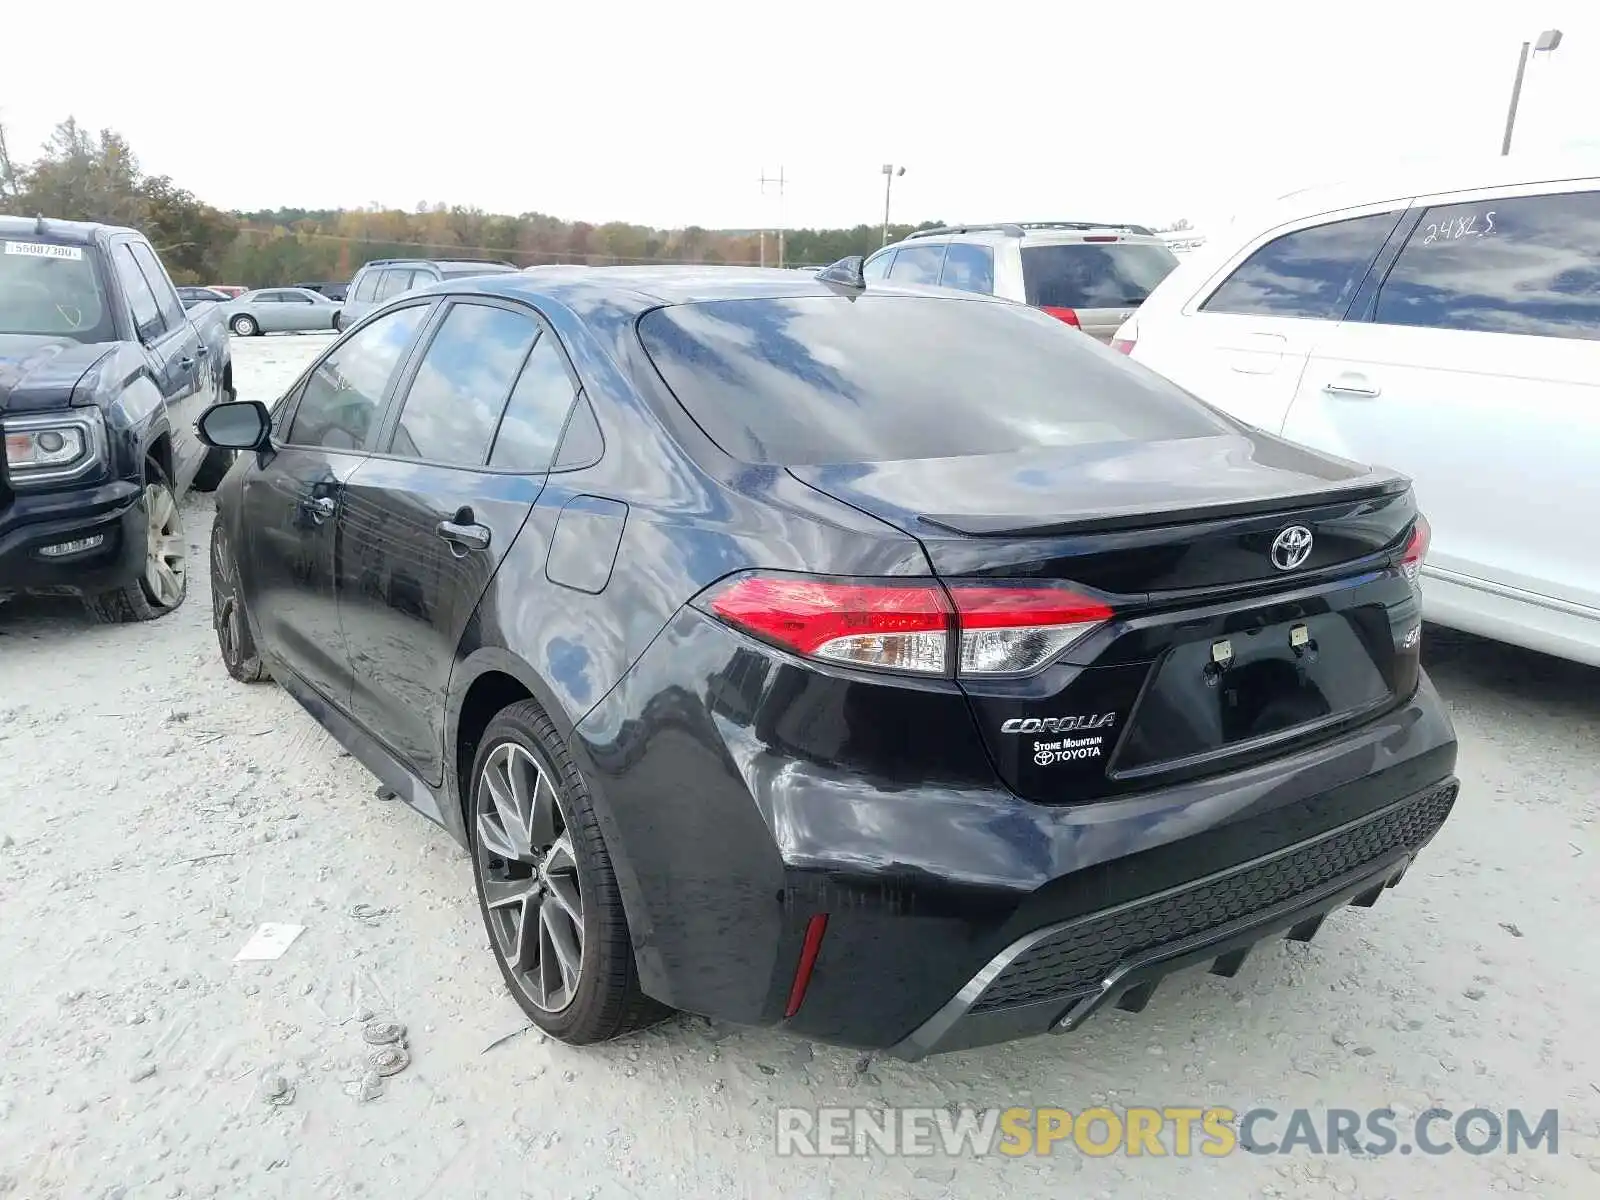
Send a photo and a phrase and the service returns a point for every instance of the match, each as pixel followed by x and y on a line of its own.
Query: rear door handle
pixel 1351 385
pixel 468 537
pixel 186 363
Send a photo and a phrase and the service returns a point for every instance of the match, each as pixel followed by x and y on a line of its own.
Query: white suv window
pixel 917 264
pixel 968 267
pixel 1312 272
pixel 1526 264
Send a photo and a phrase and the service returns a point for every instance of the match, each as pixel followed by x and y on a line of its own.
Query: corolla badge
pixel 1058 724
pixel 1291 547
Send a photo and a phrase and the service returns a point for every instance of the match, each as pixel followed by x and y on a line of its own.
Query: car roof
pixel 644 287
pixel 75 233
pixel 1403 181
pixel 438 262
pixel 1025 233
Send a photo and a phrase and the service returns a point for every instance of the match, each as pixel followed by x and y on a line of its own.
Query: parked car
pixel 1088 274
pixel 201 295
pixel 102 376
pixel 1447 322
pixel 280 310
pixel 771 670
pixel 384 278
pixel 333 291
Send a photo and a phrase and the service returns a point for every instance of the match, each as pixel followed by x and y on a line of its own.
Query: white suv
pixel 1447 325
pixel 1088 274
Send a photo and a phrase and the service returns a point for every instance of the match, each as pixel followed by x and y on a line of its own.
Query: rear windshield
pixel 457 270
pixel 819 380
pixel 52 290
pixel 1094 274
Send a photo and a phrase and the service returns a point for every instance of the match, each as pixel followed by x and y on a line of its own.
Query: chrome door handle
pixel 1350 389
pixel 468 537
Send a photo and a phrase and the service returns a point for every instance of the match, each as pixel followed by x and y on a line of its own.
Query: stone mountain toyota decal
pixel 1291 548
pixel 1064 749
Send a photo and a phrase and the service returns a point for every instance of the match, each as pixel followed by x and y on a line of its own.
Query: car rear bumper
pixel 955 912
pixel 33 523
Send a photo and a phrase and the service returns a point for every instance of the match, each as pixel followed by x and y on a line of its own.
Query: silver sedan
pixel 280 310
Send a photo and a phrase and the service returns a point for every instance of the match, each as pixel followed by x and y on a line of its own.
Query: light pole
pixel 889 172
pixel 1548 40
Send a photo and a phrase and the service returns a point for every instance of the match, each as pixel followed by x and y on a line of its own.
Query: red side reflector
pixel 1070 316
pixel 815 928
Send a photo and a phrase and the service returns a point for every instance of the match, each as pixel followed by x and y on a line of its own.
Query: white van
pixel 1447 325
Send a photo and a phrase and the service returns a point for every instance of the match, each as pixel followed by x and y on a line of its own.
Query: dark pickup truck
pixel 102 375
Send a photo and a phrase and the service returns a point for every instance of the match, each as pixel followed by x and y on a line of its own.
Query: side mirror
pixel 236 425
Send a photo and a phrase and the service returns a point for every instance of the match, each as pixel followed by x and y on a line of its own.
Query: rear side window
pixel 345 391
pixel 831 380
pixel 460 389
pixel 1529 265
pixel 1311 272
pixel 393 282
pixel 538 409
pixel 1093 274
pixel 968 267
pixel 917 264
pixel 367 289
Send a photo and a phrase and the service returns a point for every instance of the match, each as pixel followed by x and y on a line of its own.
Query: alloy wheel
pixel 166 552
pixel 530 876
pixel 225 614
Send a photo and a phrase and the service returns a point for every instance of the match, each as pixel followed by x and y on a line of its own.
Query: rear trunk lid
pixel 1232 637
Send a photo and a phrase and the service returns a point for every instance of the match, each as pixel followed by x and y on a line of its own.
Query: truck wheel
pixel 244 326
pixel 164 582
pixel 234 640
pixel 217 464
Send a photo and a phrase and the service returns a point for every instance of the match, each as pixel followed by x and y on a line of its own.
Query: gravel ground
pixel 154 813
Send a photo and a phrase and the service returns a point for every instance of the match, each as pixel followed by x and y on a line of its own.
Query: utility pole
pixel 1548 40
pixel 779 181
pixel 889 173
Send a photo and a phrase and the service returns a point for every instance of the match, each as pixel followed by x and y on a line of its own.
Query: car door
pixel 301 312
pixel 428 520
pixel 172 349
pixel 1241 341
pixel 1475 369
pixel 291 497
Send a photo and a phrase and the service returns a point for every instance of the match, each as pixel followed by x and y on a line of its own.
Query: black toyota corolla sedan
pixel 897 665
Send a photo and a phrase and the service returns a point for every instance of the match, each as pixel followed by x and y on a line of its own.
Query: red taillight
pixel 888 625
pixel 1101 237
pixel 1122 345
pixel 1069 315
pixel 1416 550
pixel 815 928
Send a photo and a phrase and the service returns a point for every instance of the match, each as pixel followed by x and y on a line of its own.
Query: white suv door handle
pixel 1351 385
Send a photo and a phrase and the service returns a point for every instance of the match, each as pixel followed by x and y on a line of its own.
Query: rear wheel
pixel 546 888
pixel 164 581
pixel 238 647
pixel 244 326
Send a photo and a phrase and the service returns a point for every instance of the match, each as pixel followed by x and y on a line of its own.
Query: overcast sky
pixel 668 113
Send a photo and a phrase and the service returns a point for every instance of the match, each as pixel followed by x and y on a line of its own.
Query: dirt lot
pixel 153 813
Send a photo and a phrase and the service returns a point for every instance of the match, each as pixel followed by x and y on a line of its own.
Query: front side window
pixel 1526 264
pixel 877 267
pixel 344 393
pixel 917 264
pixel 141 300
pixel 160 286
pixel 1312 272
pixel 460 389
pixel 538 410
pixel 968 268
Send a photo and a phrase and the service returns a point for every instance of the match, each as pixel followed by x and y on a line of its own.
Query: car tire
pixel 555 866
pixel 213 468
pixel 164 581
pixel 338 322
pixel 228 618
pixel 244 326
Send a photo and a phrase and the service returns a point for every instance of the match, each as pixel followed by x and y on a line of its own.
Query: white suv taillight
pixel 1416 550
pixel 915 627
pixel 1126 337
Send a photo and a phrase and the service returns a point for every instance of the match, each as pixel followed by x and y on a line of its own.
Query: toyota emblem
pixel 1291 547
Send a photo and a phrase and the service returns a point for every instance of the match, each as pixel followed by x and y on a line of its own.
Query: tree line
pixel 84 176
